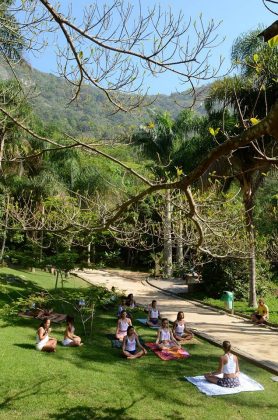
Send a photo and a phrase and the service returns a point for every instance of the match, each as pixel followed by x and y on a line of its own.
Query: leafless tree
pixel 115 52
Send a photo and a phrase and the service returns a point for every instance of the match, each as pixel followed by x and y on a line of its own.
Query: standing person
pixel 70 339
pixel 228 365
pixel 43 341
pixel 153 315
pixel 165 339
pixel 262 313
pixel 180 332
pixel 122 325
pixel 130 344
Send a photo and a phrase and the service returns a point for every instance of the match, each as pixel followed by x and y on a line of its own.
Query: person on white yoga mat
pixel 228 365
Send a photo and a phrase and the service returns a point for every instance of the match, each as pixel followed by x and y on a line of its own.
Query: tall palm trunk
pixel 168 256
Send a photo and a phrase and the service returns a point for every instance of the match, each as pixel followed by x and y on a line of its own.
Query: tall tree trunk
pixel 179 240
pixel 168 257
pixel 5 229
pixel 2 144
pixel 249 219
pixel 42 236
pixel 89 254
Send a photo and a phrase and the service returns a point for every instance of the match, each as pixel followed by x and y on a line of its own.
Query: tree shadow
pixel 34 389
pixel 88 413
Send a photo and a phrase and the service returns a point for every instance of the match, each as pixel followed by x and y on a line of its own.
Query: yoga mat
pixel 144 322
pixel 118 344
pixel 247 384
pixel 168 354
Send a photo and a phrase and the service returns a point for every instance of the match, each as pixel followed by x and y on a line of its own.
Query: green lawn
pixel 241 306
pixel 94 382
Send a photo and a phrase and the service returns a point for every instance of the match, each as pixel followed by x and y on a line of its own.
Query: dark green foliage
pixel 220 275
pixel 232 274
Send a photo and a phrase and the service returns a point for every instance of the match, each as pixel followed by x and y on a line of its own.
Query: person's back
pixel 229 365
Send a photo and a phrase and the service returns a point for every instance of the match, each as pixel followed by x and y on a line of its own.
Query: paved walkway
pixel 259 344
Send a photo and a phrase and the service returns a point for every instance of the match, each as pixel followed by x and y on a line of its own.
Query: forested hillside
pixel 91 115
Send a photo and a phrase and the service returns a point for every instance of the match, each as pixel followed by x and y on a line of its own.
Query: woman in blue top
pixel 228 365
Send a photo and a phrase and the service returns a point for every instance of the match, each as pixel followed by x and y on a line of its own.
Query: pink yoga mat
pixel 168 354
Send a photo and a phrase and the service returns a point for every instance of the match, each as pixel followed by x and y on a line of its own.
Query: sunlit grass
pixel 95 382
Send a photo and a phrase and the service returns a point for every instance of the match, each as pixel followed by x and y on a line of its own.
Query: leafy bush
pixel 220 275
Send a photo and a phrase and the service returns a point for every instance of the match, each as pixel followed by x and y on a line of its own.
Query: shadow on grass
pixel 88 413
pixel 40 388
pixel 25 346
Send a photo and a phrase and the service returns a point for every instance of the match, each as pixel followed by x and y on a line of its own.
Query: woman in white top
pixel 130 344
pixel 70 339
pixel 122 325
pixel 43 341
pixel 165 339
pixel 180 333
pixel 228 365
pixel 153 315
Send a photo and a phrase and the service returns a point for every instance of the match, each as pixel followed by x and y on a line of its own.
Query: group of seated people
pixel 44 342
pixel 167 338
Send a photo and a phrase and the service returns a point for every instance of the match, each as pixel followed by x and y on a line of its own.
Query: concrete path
pixel 259 344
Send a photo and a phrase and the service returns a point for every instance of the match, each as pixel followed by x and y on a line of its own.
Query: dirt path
pixel 259 344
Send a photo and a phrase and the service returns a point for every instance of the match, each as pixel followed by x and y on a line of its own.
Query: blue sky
pixel 237 16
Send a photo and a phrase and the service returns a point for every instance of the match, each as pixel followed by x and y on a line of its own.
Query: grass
pixel 240 306
pixel 94 382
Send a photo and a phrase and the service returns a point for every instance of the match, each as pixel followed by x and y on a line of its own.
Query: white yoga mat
pixel 144 321
pixel 246 384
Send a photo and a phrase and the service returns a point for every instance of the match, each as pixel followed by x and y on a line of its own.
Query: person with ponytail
pixel 228 365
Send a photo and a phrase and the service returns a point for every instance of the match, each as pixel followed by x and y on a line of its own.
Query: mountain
pixel 91 114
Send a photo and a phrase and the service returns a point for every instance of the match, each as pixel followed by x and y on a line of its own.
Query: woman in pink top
pixel 228 365
pixel 122 325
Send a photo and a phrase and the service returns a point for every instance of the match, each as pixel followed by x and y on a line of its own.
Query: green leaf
pixel 80 55
pixel 254 121
pixel 213 132
pixel 256 58
pixel 273 42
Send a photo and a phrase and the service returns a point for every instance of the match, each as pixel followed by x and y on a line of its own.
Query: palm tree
pixel 249 96
pixel 157 141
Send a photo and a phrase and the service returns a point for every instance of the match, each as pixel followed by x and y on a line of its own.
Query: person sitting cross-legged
pixel 70 339
pixel 43 341
pixel 180 332
pixel 130 344
pixel 262 313
pixel 153 315
pixel 228 365
pixel 122 325
pixel 165 339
